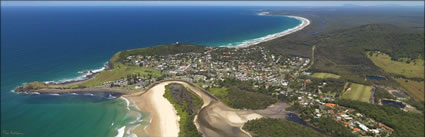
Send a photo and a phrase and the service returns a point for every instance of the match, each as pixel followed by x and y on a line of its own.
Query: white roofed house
pixel 363 127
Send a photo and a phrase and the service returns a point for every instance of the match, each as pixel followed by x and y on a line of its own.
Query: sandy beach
pixel 304 23
pixel 164 118
pixel 214 118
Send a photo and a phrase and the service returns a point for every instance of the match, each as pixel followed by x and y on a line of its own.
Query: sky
pixel 210 3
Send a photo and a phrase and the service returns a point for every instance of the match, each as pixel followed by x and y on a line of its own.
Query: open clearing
pixel 325 75
pixel 413 69
pixel 219 92
pixel 358 92
pixel 414 88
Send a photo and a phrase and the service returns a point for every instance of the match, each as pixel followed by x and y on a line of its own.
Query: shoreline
pixel 222 118
pixel 90 74
pixel 304 23
pixel 164 120
pixel 87 75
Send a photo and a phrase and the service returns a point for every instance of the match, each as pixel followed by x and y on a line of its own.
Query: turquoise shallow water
pixel 53 43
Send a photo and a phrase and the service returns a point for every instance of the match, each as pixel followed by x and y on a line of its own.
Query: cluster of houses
pixel 116 83
pixel 124 83
pixel 348 117
pixel 353 119
pixel 253 64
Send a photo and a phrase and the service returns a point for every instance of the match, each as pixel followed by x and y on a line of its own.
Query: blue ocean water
pixel 54 43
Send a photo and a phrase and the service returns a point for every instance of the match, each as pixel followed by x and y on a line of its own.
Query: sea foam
pixel 133 111
pixel 54 94
pixel 255 41
pixel 121 132
pixel 84 76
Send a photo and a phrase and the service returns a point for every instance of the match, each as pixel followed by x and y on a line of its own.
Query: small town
pixel 212 68
pixel 258 65
pixel 219 64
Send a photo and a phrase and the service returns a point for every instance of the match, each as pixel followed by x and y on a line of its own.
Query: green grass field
pixel 201 83
pixel 358 92
pixel 414 88
pixel 219 92
pixel 413 69
pixel 35 85
pixel 119 71
pixel 325 75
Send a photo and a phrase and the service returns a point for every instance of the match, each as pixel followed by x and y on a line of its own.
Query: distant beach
pixel 304 23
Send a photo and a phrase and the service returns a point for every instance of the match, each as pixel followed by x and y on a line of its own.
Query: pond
pixel 375 78
pixel 393 103
pixel 400 94
pixel 294 118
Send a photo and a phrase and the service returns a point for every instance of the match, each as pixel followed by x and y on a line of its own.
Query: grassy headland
pixel 35 85
pixel 120 69
pixel 120 56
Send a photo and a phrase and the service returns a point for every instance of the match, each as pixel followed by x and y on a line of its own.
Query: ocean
pixel 54 43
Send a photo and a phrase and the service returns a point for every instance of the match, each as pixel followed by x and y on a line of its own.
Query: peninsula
pixel 192 90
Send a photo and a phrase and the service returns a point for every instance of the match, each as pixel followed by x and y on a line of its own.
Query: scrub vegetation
pixel 269 127
pixel 325 75
pixel 187 106
pixel 409 68
pixel 414 88
pixel 241 95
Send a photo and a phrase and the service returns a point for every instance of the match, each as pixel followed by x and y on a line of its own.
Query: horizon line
pixel 217 3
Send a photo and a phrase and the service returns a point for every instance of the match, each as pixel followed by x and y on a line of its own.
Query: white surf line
pixel 304 23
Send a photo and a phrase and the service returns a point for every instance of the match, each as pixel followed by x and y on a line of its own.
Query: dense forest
pixel 342 51
pixel 241 95
pixel 419 105
pixel 187 106
pixel 405 124
pixel 331 126
pixel 269 127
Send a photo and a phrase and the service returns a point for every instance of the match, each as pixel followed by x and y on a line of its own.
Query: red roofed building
pixel 330 105
pixel 386 127
pixel 307 81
